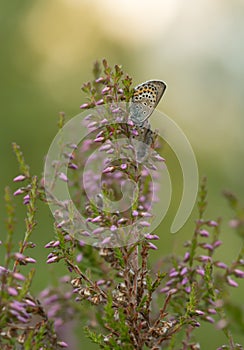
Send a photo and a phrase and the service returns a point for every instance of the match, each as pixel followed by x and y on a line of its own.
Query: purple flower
pixel 96 219
pixel 106 240
pixel 231 282
pixel 152 246
pixel 84 105
pixel 152 237
pixel 186 257
pixel 26 199
pixel 99 139
pixel 30 260
pixel 145 223
pixel 221 265
pixel 204 233
pixel 135 213
pixel 238 273
pixel 63 177
pixel 113 228
pixel 18 276
pixel 213 223
pixel 183 271
pixel 200 312
pixel 12 291
pixel 79 257
pixel 52 259
pixel 217 244
pixel 173 273
pixel 19 178
pixel 123 166
pixel 207 246
pixel 200 271
pixel 205 258
pixel 19 191
pixel 105 90
pixel 100 102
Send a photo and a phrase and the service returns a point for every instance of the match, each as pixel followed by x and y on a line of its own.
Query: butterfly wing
pixel 145 99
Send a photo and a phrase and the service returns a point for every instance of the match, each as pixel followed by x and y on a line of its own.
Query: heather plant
pixel 110 284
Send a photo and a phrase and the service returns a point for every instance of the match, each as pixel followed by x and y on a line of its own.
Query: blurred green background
pixel 47 51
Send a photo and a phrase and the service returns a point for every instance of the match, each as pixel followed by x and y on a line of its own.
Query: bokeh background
pixel 47 51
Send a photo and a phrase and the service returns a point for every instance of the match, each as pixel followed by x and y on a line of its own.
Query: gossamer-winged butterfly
pixel 145 99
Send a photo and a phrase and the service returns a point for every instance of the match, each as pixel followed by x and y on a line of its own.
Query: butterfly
pixel 145 99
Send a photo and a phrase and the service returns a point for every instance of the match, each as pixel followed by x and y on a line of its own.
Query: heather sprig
pixel 126 302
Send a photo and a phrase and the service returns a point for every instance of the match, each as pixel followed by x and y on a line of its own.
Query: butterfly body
pixel 145 99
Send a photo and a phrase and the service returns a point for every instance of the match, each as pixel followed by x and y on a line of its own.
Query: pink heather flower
pixel 100 102
pixel 116 110
pixel 231 282
pixel 30 260
pixel 105 90
pixel 52 259
pixel 152 246
pixel 26 199
pixel 208 246
pixel 113 228
pixel 19 178
pixel 84 105
pixel 205 258
pixel 234 223
pixel 239 273
pixel 123 166
pixel 159 158
pixel 106 240
pixel 19 256
pixel 174 273
pixel 62 344
pixel 99 139
pixel 63 177
pixel 200 271
pixel 184 281
pixel 100 80
pixel 212 311
pixel 98 230
pixel 145 214
pixel 213 223
pixel 135 132
pixel 217 244
pixel 172 291
pixel 73 166
pixel 145 223
pixel 209 319
pixel 152 237
pixel 79 257
pixel 100 282
pixel 164 290
pixel 221 324
pixel 81 243
pixel 186 257
pixel 109 169
pixel 188 289
pixel 200 312
pixel 91 125
pixel 221 265
pixel 96 219
pixel 183 271
pixel 18 276
pixel 135 213
pixel 204 233
pixel 19 191
pixel 105 147
pixel 12 291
